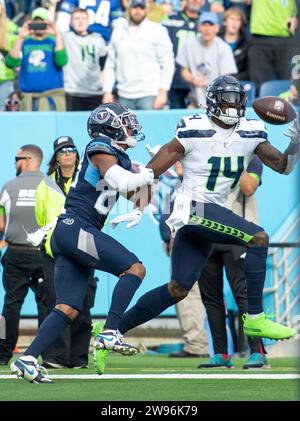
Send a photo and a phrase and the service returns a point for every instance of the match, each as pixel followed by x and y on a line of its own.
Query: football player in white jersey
pixel 214 150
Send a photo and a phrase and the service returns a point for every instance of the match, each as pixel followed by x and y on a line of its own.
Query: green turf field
pixel 162 389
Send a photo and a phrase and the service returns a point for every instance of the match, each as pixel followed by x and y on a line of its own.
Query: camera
pixel 37 26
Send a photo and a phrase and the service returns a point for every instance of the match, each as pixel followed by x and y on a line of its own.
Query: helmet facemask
pixel 129 121
pixel 235 102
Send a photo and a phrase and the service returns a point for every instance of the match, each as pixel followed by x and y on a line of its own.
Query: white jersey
pixel 215 158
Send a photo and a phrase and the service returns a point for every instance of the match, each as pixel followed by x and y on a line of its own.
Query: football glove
pixel 294 131
pixel 134 217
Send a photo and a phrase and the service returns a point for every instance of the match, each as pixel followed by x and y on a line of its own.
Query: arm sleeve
pixel 227 64
pixel 109 72
pixel 165 58
pixel 61 57
pixel 12 62
pixel 182 56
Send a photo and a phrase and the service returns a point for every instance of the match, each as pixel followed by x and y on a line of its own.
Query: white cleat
pixel 112 341
pixel 27 368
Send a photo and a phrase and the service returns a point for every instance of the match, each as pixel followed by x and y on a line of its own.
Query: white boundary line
pixel 168 376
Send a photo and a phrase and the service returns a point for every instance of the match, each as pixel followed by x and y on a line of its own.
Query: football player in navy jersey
pixel 79 245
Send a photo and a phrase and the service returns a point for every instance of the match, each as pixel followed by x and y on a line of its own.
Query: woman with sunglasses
pixel 12 102
pixel 71 348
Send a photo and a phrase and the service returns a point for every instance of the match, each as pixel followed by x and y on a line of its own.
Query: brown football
pixel 274 110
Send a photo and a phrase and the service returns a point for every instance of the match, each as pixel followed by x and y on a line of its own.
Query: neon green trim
pixel 222 229
pixel 255 176
pixel 2 211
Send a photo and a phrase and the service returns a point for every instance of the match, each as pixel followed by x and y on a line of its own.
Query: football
pixel 274 110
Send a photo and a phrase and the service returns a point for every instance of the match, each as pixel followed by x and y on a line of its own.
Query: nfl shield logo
pixel 279 106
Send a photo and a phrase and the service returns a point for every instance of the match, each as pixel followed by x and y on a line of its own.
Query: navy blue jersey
pixel 180 27
pixel 90 198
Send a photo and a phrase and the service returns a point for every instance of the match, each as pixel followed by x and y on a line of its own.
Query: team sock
pixel 48 332
pixel 121 297
pixel 148 306
pixel 255 270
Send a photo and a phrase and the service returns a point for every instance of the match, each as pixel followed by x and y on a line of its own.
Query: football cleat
pixel 256 360
pixel 218 361
pixel 99 356
pixel 111 340
pixel 262 327
pixel 28 369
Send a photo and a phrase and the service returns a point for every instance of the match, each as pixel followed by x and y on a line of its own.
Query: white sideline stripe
pixel 168 376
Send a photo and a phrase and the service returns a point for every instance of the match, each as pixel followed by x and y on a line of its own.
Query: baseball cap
pixel 62 142
pixel 40 12
pixel 209 17
pixel 137 3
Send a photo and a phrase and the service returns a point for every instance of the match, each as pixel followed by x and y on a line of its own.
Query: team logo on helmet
pixel 101 115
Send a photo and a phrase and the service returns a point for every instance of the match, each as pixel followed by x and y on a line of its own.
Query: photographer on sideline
pixel 40 53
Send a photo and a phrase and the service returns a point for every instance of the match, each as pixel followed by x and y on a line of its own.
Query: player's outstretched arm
pixel 119 178
pixel 283 163
pixel 167 155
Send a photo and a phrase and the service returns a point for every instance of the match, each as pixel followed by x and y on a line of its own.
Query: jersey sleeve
pixel 100 146
pixel 255 167
pixel 182 134
pixel 255 131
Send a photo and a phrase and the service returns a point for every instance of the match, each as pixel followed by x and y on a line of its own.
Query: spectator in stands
pixel 205 57
pixel 180 26
pixel 233 33
pixel 82 74
pixel 167 6
pixel 8 36
pixel 22 265
pixel 241 202
pixel 12 102
pixel 219 6
pixel 41 55
pixel 101 14
pixel 140 61
pixel 72 347
pixel 156 12
pixel 272 25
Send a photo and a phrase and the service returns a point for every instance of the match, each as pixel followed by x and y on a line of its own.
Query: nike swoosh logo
pixel 107 339
pixel 31 372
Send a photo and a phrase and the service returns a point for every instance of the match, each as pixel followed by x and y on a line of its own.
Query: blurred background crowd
pixel 75 54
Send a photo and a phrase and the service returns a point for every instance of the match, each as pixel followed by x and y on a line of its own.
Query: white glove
pixel 134 217
pixel 35 238
pixel 294 131
pixel 148 175
pixel 152 151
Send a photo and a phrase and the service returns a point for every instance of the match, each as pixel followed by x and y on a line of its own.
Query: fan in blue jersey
pixel 79 245
pixel 101 14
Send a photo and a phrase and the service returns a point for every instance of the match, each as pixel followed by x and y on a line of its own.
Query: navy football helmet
pixel 112 120
pixel 226 91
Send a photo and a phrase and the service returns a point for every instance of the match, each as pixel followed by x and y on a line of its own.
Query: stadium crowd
pixel 68 55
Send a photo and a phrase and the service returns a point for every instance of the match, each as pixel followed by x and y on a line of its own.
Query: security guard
pixel 22 268
pixel 71 348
